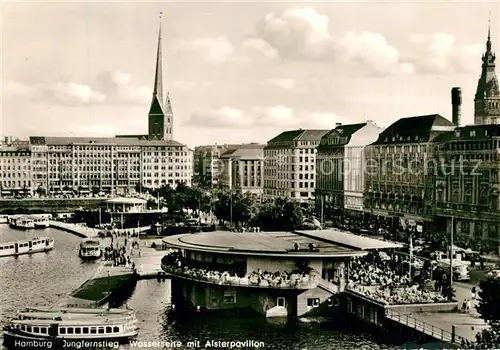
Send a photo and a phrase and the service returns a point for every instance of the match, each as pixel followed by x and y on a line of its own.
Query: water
pixel 44 278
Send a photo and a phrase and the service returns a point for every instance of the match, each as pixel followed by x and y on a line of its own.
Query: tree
pixel 439 240
pixel 235 207
pixel 489 309
pixel 282 214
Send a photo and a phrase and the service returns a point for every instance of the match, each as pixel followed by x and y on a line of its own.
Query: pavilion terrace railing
pixel 297 282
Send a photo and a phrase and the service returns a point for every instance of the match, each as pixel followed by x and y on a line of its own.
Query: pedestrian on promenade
pixel 467 309
pixel 473 293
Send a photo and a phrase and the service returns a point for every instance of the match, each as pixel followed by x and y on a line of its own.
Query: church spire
pixel 160 115
pixel 158 87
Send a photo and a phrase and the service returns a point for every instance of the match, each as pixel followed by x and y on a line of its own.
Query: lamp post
pixel 231 207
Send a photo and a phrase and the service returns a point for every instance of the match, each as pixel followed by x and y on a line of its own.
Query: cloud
pixel 59 93
pixel 112 87
pixel 215 50
pixel 282 83
pixel 304 34
pixel 372 52
pixel 439 53
pixel 260 46
pixel 118 88
pixel 260 116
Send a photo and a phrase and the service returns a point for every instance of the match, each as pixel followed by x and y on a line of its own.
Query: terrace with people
pixel 388 282
pixel 279 260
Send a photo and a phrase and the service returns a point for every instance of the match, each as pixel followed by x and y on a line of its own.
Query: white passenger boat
pixel 90 249
pixel 41 222
pixel 22 222
pixel 28 246
pixel 4 219
pixel 63 328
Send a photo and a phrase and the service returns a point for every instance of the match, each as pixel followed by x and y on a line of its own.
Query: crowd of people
pixel 118 255
pixel 257 278
pixel 389 282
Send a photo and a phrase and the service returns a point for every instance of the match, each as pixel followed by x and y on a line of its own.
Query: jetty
pixel 88 232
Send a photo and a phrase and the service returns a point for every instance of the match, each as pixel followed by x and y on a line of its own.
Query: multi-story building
pixel 487 99
pixel 115 165
pixel 340 170
pixel 15 170
pixel 399 172
pixel 118 164
pixel 208 166
pixel 289 165
pixel 243 169
pixel 468 185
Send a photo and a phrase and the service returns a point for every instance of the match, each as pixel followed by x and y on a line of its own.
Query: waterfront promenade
pixel 442 325
pixel 88 232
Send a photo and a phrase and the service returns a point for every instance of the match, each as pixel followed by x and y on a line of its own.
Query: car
pixel 493 274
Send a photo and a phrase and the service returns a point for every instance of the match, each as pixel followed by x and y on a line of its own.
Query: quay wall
pixel 438 307
pixel 20 206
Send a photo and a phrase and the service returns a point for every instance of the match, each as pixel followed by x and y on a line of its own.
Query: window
pixel 281 302
pixel 229 296
pixel 100 330
pixel 36 330
pixel 62 330
pixel 78 330
pixel 108 329
pixel 43 330
pixel 70 330
pixel 85 330
pixel 93 330
pixel 116 329
pixel 313 302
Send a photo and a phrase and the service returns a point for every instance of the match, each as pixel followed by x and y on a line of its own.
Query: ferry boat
pixel 41 222
pixel 90 249
pixel 29 246
pixel 66 327
pixel 22 222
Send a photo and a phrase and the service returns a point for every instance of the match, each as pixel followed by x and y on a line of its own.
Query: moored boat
pixel 4 219
pixel 41 222
pixel 22 222
pixel 28 246
pixel 90 249
pixel 62 328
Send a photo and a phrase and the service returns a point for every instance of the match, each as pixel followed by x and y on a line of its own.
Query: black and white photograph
pixel 249 175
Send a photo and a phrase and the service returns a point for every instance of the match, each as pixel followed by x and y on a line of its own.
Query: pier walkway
pixel 88 232
pixel 445 326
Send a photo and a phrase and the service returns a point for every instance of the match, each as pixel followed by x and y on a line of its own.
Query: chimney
pixel 456 103
pixel 338 124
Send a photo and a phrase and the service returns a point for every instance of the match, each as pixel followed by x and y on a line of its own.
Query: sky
pixel 236 71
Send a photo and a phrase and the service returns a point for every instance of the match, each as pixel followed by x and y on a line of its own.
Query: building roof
pixel 300 135
pixel 42 140
pixel 343 131
pixel 126 200
pixel 471 132
pixel 258 244
pixel 415 130
pixel 349 239
pixel 244 153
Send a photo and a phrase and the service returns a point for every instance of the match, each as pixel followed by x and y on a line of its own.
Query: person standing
pixel 473 293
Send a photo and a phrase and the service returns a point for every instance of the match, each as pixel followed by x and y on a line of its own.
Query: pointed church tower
pixel 487 99
pixel 160 117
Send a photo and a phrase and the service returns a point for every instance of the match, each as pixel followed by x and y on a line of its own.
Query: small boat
pixel 22 222
pixel 90 249
pixel 41 222
pixel 29 246
pixel 63 328
pixel 4 219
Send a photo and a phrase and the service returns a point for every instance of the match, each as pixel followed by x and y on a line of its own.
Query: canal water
pixel 45 278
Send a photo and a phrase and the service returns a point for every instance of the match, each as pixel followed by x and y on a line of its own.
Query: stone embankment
pixel 49 204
